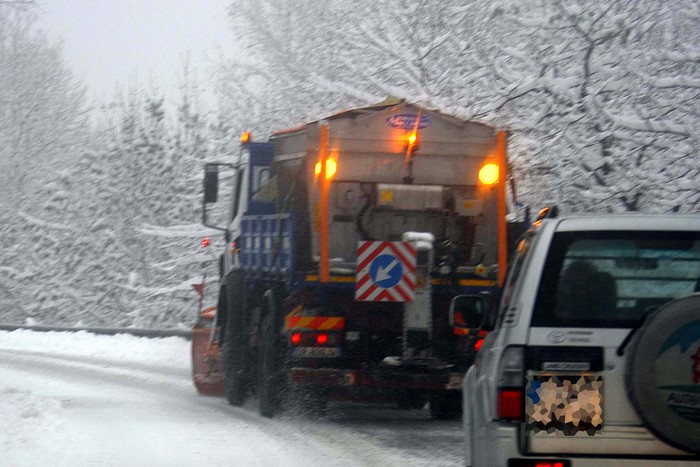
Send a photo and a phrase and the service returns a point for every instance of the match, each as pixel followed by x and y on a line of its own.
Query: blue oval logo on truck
pixel 408 121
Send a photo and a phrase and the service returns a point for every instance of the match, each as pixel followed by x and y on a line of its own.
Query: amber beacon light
pixel 331 168
pixel 488 174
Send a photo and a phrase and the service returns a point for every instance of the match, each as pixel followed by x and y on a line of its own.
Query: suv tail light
pixel 510 402
pixel 538 463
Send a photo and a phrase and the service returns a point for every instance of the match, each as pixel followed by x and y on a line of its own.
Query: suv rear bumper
pixel 609 462
pixel 497 443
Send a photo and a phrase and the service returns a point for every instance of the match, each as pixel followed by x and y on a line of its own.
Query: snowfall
pixel 81 399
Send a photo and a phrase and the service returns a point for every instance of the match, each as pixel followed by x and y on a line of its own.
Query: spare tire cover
pixel 663 373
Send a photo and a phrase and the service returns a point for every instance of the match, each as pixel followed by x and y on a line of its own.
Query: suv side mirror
pixel 468 311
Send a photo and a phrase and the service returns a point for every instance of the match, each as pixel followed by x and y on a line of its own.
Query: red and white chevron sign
pixel 386 272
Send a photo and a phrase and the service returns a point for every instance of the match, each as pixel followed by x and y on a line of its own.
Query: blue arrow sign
pixel 386 271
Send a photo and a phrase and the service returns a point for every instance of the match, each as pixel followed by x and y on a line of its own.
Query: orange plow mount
pixel 207 371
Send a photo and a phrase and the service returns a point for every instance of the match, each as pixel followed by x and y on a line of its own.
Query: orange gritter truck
pixel 347 240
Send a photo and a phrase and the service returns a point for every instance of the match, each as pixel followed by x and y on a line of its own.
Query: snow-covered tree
pixel 42 107
pixel 100 225
pixel 42 128
pixel 606 95
pixel 287 70
pixel 600 97
pixel 145 199
pixel 99 222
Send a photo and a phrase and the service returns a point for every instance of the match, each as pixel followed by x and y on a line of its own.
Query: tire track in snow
pixel 349 436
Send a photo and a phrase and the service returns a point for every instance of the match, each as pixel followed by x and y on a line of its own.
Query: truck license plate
pixel 317 352
pixel 455 381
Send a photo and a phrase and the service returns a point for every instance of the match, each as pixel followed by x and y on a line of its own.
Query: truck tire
pixel 233 351
pixel 269 381
pixel 446 405
pixel 663 373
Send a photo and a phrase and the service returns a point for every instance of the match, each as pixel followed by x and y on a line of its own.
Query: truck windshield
pixel 614 278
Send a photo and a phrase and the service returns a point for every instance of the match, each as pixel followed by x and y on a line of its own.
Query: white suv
pixel 594 358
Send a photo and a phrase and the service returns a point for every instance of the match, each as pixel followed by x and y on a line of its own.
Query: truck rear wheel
pixel 233 351
pixel 270 385
pixel 234 386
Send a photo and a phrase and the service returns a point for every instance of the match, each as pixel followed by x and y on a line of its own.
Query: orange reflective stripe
pixel 315 323
pixel 314 278
pixel 477 282
pixel 332 324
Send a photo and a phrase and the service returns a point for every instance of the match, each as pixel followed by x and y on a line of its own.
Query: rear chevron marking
pixel 395 288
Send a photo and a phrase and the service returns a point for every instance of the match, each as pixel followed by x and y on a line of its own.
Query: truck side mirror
pixel 211 183
pixel 468 311
pixel 211 196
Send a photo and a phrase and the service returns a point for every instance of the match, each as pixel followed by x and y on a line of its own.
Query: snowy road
pixel 79 399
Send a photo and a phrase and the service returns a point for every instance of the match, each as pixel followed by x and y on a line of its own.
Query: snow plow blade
pixel 206 356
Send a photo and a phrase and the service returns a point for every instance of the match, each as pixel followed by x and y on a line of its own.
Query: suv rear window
pixel 614 278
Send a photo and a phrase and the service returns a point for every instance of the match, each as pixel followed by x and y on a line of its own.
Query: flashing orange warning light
pixel 412 142
pixel 331 168
pixel 488 174
pixel 246 137
pixel 412 138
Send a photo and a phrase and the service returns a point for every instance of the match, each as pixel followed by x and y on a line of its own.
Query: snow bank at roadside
pixel 171 352
pixel 29 422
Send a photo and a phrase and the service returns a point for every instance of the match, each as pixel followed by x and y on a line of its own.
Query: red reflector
pixel 322 339
pixel 478 344
pixel 205 242
pixel 510 404
pixel 296 338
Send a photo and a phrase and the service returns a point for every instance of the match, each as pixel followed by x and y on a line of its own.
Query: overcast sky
pixel 110 43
